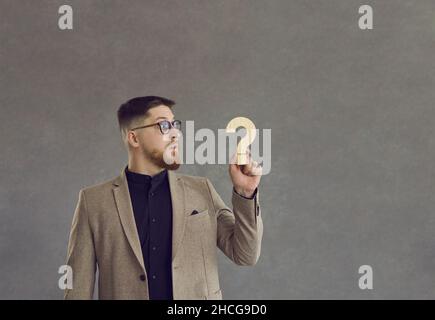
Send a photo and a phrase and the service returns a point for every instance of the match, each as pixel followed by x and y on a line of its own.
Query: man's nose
pixel 174 134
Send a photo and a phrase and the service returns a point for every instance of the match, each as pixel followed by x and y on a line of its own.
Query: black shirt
pixel 152 207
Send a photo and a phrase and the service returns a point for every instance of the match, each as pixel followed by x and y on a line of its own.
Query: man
pixel 154 233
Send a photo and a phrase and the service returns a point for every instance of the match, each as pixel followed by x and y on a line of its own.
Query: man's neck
pixel 144 168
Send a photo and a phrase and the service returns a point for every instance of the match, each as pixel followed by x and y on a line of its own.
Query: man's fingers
pixel 235 157
pixel 257 170
pixel 251 168
pixel 254 169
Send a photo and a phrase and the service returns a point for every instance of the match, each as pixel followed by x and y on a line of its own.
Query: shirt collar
pixel 144 178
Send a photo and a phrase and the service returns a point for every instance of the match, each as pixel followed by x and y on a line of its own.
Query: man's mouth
pixel 173 146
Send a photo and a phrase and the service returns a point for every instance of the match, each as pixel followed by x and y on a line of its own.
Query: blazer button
pixel 142 277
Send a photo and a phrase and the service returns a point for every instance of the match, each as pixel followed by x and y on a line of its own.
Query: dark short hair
pixel 137 108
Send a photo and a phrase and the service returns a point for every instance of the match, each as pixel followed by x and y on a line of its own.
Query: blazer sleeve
pixel 81 254
pixel 239 231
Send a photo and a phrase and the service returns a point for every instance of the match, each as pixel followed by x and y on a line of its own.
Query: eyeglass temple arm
pixel 150 125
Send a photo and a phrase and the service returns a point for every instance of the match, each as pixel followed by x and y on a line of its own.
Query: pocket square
pixel 194 212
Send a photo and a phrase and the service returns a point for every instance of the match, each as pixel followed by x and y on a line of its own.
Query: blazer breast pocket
pixel 195 215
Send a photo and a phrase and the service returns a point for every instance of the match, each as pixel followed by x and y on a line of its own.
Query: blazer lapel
pixel 125 211
pixel 126 215
pixel 178 212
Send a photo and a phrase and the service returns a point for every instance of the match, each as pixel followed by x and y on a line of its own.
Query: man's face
pixel 161 149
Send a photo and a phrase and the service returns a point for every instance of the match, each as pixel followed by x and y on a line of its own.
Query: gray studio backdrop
pixel 351 111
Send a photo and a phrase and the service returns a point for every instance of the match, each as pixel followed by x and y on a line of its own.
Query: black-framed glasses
pixel 164 125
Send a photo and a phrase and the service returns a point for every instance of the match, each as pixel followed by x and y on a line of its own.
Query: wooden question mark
pixel 242 146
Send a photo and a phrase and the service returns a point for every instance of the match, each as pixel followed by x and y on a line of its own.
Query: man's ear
pixel 131 138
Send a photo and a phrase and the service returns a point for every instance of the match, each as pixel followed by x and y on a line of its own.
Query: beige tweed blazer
pixel 104 237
